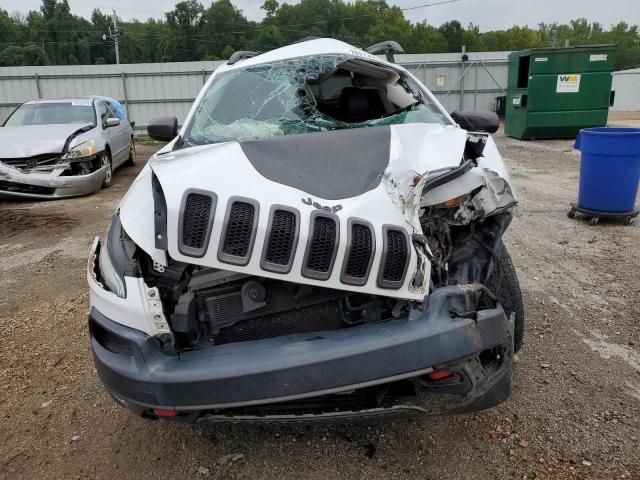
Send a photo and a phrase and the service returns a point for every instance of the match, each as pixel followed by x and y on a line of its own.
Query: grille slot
pixel 321 248
pixel 197 217
pixel 360 251
pixel 239 231
pixel 395 258
pixel 30 162
pixel 282 236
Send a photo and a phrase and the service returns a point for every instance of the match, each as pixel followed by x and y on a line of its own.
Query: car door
pixel 123 130
pixel 120 136
pixel 110 135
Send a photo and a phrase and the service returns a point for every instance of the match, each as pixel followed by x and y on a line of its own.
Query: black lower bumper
pixel 283 369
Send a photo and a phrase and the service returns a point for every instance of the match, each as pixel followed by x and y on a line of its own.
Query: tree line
pixel 192 31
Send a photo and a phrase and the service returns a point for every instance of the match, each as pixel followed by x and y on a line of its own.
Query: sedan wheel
pixel 105 161
pixel 132 154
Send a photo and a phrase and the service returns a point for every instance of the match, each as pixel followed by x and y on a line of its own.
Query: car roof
pixel 309 48
pixel 81 100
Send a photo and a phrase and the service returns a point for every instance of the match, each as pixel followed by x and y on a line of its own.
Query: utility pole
pixel 115 35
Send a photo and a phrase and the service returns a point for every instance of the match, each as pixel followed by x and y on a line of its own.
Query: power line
pixel 429 5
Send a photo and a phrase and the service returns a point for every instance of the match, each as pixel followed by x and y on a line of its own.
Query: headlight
pixel 85 149
pixel 116 258
pixel 110 277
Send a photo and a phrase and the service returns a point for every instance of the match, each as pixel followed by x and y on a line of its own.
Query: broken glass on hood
pixel 304 95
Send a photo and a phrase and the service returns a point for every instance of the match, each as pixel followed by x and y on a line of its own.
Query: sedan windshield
pixel 304 95
pixel 53 113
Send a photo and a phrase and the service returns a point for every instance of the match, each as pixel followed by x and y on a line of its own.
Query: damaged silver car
pixel 63 147
pixel 320 240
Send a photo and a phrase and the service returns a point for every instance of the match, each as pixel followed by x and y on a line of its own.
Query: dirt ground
pixel 575 411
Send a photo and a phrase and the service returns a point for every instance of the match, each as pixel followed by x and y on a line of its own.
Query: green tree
pixel 426 39
pixel 390 25
pixel 268 38
pixel 185 22
pixel 270 6
pixel 54 35
pixel 453 33
pixel 29 55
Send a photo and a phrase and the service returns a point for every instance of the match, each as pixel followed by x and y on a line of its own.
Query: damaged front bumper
pixel 219 381
pixel 15 183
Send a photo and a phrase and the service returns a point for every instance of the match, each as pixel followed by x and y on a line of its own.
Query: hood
pixel 363 176
pixel 31 140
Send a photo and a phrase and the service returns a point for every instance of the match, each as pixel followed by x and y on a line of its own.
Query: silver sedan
pixel 63 147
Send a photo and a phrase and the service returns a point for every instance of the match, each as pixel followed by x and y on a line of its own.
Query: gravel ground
pixel 575 411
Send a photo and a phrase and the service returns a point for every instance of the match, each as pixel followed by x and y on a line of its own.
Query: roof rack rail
pixel 389 48
pixel 241 55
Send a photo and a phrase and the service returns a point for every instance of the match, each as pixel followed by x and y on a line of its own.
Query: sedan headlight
pixel 83 150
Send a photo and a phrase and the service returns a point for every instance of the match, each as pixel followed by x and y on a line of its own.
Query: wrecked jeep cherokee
pixel 319 240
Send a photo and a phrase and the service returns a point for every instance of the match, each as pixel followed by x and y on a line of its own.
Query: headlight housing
pixel 110 278
pixel 116 258
pixel 83 150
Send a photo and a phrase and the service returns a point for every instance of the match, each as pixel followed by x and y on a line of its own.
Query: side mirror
pixel 164 128
pixel 112 122
pixel 477 120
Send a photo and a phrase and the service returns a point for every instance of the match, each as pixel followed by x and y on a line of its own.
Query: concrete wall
pixel 150 90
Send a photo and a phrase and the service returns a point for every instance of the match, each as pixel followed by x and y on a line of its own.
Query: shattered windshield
pixel 304 95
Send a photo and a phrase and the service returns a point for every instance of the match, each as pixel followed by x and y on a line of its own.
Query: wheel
pixel 504 284
pixel 628 220
pixel 571 213
pixel 131 161
pixel 105 161
pixel 594 221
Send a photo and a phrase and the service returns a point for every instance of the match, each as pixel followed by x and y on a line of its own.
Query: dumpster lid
pixel 552 50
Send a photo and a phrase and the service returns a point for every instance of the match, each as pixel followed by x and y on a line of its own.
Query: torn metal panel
pixel 486 189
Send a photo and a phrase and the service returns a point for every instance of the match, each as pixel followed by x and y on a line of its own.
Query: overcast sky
pixel 489 14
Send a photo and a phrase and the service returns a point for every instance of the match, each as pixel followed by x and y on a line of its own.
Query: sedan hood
pixel 369 176
pixel 31 140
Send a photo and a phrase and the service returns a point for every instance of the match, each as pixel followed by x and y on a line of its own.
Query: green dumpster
pixel 554 92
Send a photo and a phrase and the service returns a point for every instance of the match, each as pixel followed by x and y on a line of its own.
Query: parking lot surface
pixel 574 413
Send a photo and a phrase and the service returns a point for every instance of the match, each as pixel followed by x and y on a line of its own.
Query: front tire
pixel 504 284
pixel 105 161
pixel 131 161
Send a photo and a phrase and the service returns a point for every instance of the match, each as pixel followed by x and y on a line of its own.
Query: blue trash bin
pixel 609 169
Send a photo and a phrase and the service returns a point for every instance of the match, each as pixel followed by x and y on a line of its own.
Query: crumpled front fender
pixel 489 180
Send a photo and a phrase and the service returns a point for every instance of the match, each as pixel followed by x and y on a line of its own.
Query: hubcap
pixel 107 163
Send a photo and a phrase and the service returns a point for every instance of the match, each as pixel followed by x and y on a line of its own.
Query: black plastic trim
pixel 312 221
pixel 261 372
pixel 159 214
pixel 234 259
pixel 344 278
pixel 389 284
pixel 190 251
pixel 272 267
